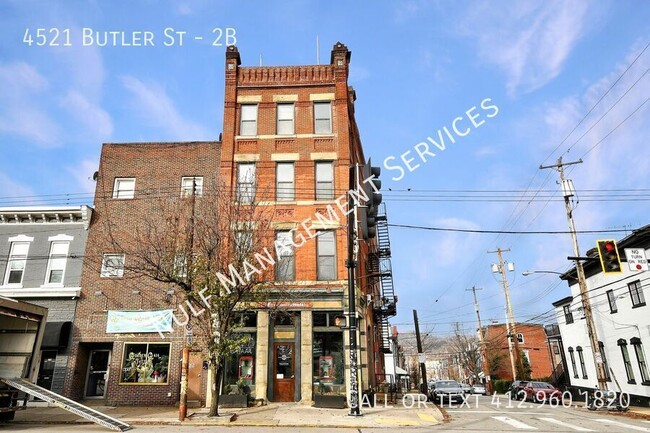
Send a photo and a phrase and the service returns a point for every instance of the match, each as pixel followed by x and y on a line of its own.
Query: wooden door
pixel 194 376
pixel 283 372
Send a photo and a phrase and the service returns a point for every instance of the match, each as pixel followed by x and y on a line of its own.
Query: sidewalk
pixel 272 415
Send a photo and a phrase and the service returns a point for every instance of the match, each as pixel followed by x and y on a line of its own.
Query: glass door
pixel 97 373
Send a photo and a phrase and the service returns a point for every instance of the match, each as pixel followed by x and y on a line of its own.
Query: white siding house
pixel 622 321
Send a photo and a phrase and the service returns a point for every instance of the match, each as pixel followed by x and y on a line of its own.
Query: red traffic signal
pixel 609 258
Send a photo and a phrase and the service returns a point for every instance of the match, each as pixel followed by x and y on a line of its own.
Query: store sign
pixel 126 322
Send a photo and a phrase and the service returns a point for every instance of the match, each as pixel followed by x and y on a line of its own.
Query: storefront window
pixel 328 363
pixel 239 375
pixel 145 363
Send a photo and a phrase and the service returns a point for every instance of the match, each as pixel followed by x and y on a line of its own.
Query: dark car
pixel 517 389
pixel 541 391
pixel 446 391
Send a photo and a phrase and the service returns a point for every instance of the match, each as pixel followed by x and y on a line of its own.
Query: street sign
pixel 636 259
pixel 422 358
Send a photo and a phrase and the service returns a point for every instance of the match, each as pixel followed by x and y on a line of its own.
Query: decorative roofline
pixel 47 215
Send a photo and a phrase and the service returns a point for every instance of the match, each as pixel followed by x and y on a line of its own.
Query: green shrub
pixel 501 386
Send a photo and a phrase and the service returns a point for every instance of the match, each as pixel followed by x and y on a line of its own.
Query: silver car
pixel 479 389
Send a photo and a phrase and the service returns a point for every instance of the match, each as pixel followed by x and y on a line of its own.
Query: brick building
pixel 289 139
pixel 532 342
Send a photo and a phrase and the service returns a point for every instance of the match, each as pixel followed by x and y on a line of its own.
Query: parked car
pixel 541 391
pixel 479 389
pixel 467 388
pixel 516 389
pixel 447 391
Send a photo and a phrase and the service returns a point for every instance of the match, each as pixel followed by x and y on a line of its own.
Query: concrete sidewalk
pixel 272 415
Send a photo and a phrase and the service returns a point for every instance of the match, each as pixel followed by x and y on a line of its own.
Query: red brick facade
pixel 534 344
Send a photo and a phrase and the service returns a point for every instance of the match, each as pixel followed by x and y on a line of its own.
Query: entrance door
pixel 194 375
pixel 283 382
pixel 97 373
pixel 46 372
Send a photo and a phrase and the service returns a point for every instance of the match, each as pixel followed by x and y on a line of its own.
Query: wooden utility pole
pixel 568 192
pixel 483 349
pixel 515 358
pixel 423 368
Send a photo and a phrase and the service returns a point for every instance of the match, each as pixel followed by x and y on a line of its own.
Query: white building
pixel 622 322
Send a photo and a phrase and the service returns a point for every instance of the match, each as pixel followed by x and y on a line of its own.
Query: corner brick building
pixel 289 139
pixel 532 342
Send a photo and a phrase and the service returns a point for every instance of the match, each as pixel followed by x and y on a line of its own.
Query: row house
pixel 289 139
pixel 41 254
pixel 621 319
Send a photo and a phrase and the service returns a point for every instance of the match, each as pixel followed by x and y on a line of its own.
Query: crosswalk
pixel 599 424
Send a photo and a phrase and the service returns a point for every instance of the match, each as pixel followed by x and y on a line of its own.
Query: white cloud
pixel 20 113
pixel 93 117
pixel 152 103
pixel 11 188
pixel 528 41
pixel 83 174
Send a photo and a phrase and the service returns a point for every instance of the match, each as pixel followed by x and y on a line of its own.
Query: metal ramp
pixel 67 404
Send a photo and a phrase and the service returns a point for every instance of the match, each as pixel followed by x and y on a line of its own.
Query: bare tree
pixel 467 349
pixel 216 249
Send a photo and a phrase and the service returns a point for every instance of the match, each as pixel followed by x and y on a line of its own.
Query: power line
pixel 510 232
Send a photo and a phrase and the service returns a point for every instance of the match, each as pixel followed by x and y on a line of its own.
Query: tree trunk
pixel 216 386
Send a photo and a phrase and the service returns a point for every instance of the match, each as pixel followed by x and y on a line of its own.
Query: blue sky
pixel 416 66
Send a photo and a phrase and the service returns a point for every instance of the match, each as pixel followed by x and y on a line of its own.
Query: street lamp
pixel 527 273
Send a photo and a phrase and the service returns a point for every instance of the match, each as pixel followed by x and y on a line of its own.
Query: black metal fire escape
pixel 380 273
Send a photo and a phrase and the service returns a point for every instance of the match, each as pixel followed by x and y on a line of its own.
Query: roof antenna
pixel 317 51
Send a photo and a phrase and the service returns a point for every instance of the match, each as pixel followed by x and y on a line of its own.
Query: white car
pixel 479 389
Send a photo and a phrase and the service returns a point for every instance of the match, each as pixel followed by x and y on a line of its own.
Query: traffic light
pixel 371 185
pixel 609 258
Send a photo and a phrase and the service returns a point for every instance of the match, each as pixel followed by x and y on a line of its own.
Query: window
pixel 328 363
pixel 326 251
pixel 582 362
pixel 568 315
pixel 239 368
pixel 56 263
pixel 16 263
pixel 601 349
pixel 324 180
pixel 124 187
pixel 284 187
pixel 112 265
pixel 243 242
pixel 180 265
pixel 322 117
pixel 573 362
pixel 285 267
pixel 326 319
pixel 191 186
pixel 248 124
pixel 527 356
pixel 636 293
pixel 640 358
pixel 246 182
pixel 285 119
pixel 520 337
pixel 611 298
pixel 626 360
pixel 145 363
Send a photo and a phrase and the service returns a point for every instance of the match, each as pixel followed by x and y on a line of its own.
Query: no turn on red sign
pixel 636 259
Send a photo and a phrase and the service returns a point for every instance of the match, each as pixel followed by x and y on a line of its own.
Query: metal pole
pixel 182 406
pixel 352 316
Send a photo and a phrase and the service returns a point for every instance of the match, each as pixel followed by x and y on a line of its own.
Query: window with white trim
pixel 284 186
pixel 323 117
pixel 124 187
pixel 192 185
pixel 246 182
pixel 611 298
pixel 56 263
pixel 640 358
pixel 326 252
pixel 112 266
pixel 16 264
pixel 285 119
pixel 285 268
pixel 626 360
pixel 248 124
pixel 582 362
pixel 568 315
pixel 324 180
pixel 520 337
pixel 573 363
pixel 636 293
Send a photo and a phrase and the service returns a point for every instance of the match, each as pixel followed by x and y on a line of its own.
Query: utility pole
pixel 423 368
pixel 515 358
pixel 568 192
pixel 484 361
